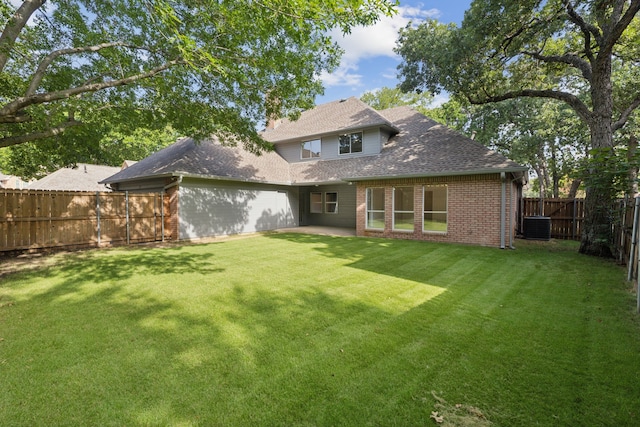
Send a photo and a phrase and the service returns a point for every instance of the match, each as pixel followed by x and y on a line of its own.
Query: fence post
pixel 574 222
pixel 126 207
pixel 634 240
pixel 98 215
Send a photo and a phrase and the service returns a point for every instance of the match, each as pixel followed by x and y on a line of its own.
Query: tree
pixel 544 136
pixel 559 50
pixel 202 67
pixel 387 97
pixel 84 145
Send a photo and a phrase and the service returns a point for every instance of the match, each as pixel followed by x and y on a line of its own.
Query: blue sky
pixel 369 62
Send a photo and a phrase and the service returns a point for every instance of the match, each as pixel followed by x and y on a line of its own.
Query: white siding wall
pixel 371 139
pixel 346 215
pixel 214 208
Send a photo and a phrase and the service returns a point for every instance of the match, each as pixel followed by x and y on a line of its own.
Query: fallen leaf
pixel 437 418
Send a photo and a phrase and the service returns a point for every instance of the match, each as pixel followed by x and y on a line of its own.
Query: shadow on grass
pixel 125 355
pixel 198 350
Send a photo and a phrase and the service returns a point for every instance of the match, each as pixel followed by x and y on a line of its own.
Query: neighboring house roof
pixel 207 159
pixel 330 118
pixel 128 163
pixel 421 147
pixel 12 182
pixel 84 177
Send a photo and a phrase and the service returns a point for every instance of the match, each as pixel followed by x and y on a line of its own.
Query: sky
pixel 369 62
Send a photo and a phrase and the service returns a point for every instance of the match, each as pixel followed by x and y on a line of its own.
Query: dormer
pixel 340 129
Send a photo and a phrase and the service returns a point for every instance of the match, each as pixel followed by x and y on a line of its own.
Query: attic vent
pixel 343 100
pixel 537 227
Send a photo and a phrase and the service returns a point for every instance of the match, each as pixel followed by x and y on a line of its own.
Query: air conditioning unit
pixel 537 227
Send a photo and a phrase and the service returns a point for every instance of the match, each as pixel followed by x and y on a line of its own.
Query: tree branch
pixel 20 117
pixel 15 106
pixel 569 59
pixel 580 22
pixel 624 116
pixel 37 77
pixel 14 27
pixel 573 101
pixel 20 139
pixel 620 26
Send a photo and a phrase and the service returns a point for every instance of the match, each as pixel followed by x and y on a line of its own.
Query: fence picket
pixel 39 219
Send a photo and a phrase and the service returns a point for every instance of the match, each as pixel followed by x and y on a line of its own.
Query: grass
pixel 289 329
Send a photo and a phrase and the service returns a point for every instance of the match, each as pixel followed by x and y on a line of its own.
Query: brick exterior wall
pixel 473 206
pixel 174 217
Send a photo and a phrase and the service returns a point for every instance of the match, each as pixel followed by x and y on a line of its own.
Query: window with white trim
pixel 310 149
pixel 375 208
pixel 351 143
pixel 331 202
pixel 435 209
pixel 403 208
pixel 316 203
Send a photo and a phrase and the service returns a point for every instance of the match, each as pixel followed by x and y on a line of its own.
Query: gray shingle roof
pixel 330 118
pixel 84 177
pixel 207 159
pixel 422 147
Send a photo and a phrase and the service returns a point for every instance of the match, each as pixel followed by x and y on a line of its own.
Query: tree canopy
pixel 387 97
pixel 203 67
pixel 582 53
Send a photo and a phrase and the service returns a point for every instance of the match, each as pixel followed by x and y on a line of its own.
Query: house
pixel 12 182
pixel 392 173
pixel 82 177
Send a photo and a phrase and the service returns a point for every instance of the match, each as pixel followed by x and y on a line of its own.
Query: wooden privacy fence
pixel 567 215
pixel 39 219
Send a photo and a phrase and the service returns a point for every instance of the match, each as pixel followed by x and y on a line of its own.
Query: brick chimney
pixel 272 103
pixel 273 123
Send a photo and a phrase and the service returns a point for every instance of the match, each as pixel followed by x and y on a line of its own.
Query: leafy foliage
pixel 387 97
pixel 83 145
pixel 202 67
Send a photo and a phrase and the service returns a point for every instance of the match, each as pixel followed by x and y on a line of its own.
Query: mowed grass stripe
pixel 292 329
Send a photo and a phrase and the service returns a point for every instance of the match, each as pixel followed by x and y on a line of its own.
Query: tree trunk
pixel 554 173
pixel 597 233
pixel 575 185
pixel 633 170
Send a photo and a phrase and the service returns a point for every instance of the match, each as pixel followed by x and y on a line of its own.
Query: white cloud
pixel 439 99
pixel 372 41
pixel 343 76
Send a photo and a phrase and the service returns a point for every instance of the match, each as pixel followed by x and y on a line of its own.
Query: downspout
pixel 173 183
pixel 503 208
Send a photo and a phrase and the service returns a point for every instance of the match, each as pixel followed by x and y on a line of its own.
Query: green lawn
pixel 293 329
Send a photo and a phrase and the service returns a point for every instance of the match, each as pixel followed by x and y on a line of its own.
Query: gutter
pixel 440 174
pixel 173 183
pixel 181 175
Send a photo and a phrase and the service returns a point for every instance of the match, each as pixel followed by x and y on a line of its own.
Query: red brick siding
pixel 173 194
pixel 473 209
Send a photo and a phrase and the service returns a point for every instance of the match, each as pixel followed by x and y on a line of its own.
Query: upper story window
pixel 310 149
pixel 351 143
